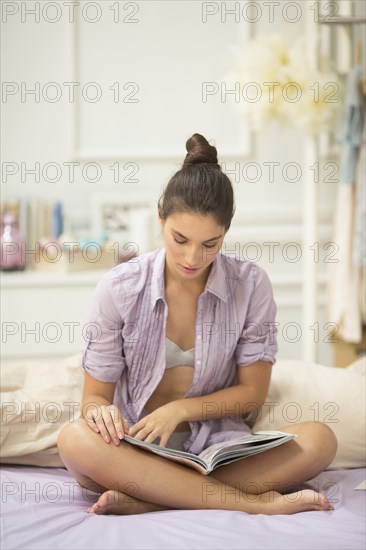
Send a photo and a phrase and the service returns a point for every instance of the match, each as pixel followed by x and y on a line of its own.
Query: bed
pixel 42 506
pixel 53 515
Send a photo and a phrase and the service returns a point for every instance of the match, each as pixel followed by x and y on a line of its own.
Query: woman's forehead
pixel 192 225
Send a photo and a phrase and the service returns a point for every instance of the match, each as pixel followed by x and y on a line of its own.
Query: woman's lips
pixel 189 270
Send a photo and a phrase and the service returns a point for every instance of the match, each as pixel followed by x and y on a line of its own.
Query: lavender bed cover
pixel 46 508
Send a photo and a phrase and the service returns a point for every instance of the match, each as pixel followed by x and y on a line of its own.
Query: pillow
pixel 38 399
pixel 300 391
pixel 359 365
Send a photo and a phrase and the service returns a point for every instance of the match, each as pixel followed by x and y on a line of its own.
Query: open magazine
pixel 220 453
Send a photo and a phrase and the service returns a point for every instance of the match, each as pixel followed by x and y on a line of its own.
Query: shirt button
pixel 198 337
pixel 198 362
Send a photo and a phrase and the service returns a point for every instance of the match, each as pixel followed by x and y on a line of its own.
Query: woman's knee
pixel 329 440
pixel 321 443
pixel 318 442
pixel 73 436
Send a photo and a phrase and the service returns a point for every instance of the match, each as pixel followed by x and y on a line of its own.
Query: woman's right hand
pixel 108 421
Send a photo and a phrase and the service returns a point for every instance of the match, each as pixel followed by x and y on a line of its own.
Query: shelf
pixel 343 20
pixel 35 279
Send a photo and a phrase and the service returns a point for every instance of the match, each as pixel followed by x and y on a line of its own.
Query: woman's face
pixel 191 241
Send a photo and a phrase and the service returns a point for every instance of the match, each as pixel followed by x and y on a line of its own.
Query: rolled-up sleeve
pixel 102 354
pixel 258 340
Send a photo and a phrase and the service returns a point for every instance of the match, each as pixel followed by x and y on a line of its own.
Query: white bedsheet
pixel 46 508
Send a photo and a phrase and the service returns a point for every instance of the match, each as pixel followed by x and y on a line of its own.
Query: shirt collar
pixel 216 282
pixel 157 279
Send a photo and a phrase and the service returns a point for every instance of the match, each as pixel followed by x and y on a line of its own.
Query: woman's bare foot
pixel 269 503
pixel 114 502
pixel 273 502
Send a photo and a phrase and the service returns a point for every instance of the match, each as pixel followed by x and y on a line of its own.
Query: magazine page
pixel 182 457
pixel 157 448
pixel 218 454
pixel 244 445
pixel 231 456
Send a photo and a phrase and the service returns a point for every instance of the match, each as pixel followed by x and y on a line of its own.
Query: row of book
pixel 37 218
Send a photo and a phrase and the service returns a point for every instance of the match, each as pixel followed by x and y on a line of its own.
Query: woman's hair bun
pixel 199 151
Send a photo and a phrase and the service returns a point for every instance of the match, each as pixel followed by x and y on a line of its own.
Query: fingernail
pixel 106 438
pixel 116 441
pixel 120 435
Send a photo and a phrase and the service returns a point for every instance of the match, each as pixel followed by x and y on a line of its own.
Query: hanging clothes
pixel 350 133
pixel 359 242
pixel 344 276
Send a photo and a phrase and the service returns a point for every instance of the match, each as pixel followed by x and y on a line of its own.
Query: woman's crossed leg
pixel 134 481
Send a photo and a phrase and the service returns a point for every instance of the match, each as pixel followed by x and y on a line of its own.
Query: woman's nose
pixel 193 257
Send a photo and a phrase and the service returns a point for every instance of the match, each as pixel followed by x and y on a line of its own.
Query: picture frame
pixel 127 221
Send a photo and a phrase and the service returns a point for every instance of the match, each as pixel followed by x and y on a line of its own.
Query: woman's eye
pixel 206 245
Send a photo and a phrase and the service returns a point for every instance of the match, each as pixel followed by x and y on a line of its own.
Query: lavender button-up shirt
pixel 125 342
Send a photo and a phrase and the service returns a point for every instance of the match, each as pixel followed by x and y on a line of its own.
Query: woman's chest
pixel 190 322
pixel 181 320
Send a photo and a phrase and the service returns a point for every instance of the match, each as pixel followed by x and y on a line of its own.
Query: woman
pixel 183 347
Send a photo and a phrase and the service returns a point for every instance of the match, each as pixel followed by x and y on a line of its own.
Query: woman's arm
pixel 98 411
pixel 96 392
pixel 247 396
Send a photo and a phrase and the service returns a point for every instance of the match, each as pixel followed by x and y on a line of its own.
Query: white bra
pixel 175 356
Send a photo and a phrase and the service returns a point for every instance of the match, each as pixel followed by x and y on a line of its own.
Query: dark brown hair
pixel 199 186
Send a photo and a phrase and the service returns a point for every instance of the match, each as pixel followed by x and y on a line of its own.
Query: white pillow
pixel 53 392
pixel 300 391
pixel 359 366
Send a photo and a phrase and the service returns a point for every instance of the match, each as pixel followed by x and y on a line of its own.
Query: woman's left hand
pixel 160 423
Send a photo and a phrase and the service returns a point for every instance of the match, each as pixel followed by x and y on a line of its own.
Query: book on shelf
pixel 22 218
pixel 56 220
pixel 37 218
pixel 218 454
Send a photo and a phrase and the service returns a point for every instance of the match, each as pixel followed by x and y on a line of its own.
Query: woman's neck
pixel 194 286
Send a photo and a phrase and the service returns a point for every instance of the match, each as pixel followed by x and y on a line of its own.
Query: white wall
pixel 168 52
